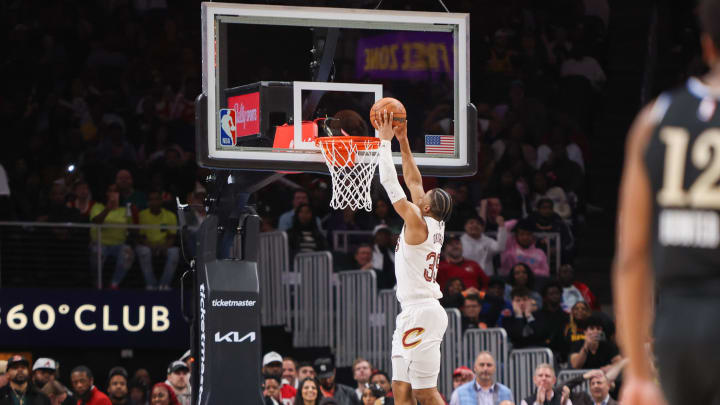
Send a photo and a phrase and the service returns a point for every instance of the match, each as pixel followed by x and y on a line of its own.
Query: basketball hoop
pixel 352 161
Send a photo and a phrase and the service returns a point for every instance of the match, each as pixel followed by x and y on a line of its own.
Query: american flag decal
pixel 440 144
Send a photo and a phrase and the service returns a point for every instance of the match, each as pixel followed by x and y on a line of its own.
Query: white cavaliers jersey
pixel 416 266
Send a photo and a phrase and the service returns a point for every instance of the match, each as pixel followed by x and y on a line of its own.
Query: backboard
pixel 276 77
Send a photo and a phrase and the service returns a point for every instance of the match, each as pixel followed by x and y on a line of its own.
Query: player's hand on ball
pixel 641 392
pixel 401 131
pixel 385 130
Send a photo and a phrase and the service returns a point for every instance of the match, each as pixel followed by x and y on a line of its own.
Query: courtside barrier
pixel 355 302
pixel 493 340
pixel 273 264
pixel 521 369
pixel 450 350
pixel 567 375
pixel 382 325
pixel 313 300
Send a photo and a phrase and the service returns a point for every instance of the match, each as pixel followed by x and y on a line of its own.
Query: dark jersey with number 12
pixel 683 164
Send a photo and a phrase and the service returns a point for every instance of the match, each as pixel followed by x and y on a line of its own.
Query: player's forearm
pixel 388 174
pixel 411 173
pixel 632 283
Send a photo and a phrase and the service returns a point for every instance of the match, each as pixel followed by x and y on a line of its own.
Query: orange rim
pixel 362 142
pixel 338 151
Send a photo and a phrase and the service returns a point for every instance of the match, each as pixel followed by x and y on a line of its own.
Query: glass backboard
pixel 277 77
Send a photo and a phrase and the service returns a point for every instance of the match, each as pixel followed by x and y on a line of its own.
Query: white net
pixel 352 164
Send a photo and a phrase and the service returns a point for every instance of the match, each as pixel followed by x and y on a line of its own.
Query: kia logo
pixel 234 337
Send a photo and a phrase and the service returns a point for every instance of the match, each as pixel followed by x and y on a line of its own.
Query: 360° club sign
pixel 90 318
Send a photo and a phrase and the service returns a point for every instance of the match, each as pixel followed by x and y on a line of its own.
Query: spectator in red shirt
pixel 574 291
pixel 86 393
pixel 287 394
pixel 288 381
pixel 454 265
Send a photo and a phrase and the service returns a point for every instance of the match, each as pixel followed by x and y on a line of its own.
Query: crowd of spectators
pixel 288 382
pixel 107 118
pixel 537 78
pixel 99 98
pixel 41 385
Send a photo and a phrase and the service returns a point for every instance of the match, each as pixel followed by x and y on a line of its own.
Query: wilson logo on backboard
pixel 409 334
pixel 247 113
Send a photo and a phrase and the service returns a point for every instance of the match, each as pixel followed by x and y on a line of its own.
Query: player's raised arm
pixel 409 212
pixel 411 173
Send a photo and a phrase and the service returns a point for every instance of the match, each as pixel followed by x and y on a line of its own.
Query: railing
pixel 553 249
pixel 313 301
pixel 355 302
pixel 343 241
pixel 58 250
pixel 274 273
pixel 493 340
pixel 521 368
pixel 567 375
pixel 450 350
pixel 382 324
pixel 343 311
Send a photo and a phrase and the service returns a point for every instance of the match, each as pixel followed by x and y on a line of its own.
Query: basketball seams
pixel 397 108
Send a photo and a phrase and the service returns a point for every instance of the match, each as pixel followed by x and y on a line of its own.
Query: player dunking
pixel 421 324
pixel 669 232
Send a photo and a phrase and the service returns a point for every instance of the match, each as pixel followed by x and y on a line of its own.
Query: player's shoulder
pixel 649 118
pixel 416 227
pixel 682 95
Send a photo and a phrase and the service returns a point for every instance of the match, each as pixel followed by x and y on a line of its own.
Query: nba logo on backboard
pixel 227 127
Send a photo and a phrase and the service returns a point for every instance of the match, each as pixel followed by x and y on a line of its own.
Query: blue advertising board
pixel 92 318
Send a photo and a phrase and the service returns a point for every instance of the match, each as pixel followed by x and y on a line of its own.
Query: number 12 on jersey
pixel 432 269
pixel 704 192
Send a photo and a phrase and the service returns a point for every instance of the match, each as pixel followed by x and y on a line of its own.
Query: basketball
pixel 392 106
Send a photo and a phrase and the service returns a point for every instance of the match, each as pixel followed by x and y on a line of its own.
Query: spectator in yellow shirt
pixel 112 240
pixel 157 241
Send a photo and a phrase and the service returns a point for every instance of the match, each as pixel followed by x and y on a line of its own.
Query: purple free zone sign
pixel 405 55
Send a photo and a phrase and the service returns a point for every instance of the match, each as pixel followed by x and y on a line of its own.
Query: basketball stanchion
pixel 352 161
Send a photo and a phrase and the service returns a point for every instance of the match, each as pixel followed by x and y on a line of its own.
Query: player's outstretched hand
pixel 641 392
pixel 384 126
pixel 401 131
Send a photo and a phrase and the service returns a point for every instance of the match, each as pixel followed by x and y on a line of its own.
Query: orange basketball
pixel 392 106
